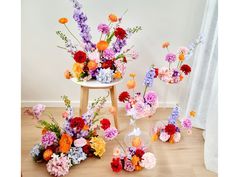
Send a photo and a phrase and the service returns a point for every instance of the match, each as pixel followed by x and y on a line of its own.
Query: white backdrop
pixel 43 64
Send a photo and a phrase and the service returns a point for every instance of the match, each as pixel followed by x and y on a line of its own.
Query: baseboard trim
pixel 76 103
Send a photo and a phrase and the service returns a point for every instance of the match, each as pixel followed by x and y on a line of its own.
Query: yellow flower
pixel 154 137
pixel 77 69
pixel 117 75
pixel 132 75
pixel 135 160
pixel 192 113
pixel 181 57
pixel 99 145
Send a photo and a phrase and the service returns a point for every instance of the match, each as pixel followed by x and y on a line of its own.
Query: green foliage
pixel 62 36
pixel 53 127
pixel 134 29
pixel 109 38
pixel 66 100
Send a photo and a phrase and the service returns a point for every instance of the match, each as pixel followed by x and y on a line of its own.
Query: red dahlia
pixel 80 57
pixel 107 64
pixel 124 96
pixel 139 153
pixel 77 122
pixel 170 129
pixel 186 69
pixel 156 72
pixel 120 33
pixel 86 149
pixel 105 124
pixel 116 165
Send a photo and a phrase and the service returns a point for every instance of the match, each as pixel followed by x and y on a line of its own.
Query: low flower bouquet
pixel 174 74
pixel 132 159
pixel 169 131
pixel 104 60
pixel 78 139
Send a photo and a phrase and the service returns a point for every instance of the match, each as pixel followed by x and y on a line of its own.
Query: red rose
pixel 77 122
pixel 86 148
pixel 124 96
pixel 156 72
pixel 107 64
pixel 124 60
pixel 139 153
pixel 116 165
pixel 80 57
pixel 120 33
pixel 105 124
pixel 170 129
pixel 186 69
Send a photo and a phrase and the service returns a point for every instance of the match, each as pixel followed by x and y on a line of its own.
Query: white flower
pixel 164 136
pixel 148 160
pixel 80 142
pixel 177 137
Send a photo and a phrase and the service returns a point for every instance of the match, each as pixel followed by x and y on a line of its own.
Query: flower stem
pixel 145 90
pixel 74 36
pixel 120 144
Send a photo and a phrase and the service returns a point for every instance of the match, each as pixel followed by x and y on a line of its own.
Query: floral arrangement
pixel 139 105
pixel 132 159
pixel 175 74
pixel 69 145
pixel 170 132
pixel 105 60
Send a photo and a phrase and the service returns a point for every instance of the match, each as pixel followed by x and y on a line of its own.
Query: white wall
pixel 43 64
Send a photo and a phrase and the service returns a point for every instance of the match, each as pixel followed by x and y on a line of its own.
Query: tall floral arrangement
pixel 170 131
pixel 104 60
pixel 77 139
pixel 177 69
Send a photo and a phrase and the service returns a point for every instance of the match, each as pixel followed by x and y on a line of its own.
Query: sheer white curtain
pixel 202 95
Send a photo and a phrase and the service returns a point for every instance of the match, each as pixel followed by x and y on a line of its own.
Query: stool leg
pixel 84 94
pixel 115 105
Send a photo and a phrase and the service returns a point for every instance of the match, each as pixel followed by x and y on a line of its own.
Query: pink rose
pixel 80 142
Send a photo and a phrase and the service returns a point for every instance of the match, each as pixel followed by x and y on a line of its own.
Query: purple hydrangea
pixel 175 73
pixel 103 28
pixel 81 19
pixel 110 133
pixel 149 77
pixel 118 45
pixel 109 54
pixel 170 57
pixel 48 139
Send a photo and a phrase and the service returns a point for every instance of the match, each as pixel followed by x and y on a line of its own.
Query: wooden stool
pixel 93 84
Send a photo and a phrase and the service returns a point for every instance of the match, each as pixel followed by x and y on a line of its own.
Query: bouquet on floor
pixel 169 131
pixel 132 159
pixel 139 105
pixel 104 60
pixel 177 70
pixel 78 139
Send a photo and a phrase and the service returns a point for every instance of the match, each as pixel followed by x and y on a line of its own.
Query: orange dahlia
pixel 47 154
pixel 102 45
pixel 113 18
pixel 65 143
pixel 63 20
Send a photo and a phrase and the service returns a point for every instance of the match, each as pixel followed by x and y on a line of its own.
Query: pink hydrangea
pixel 187 123
pixel 151 97
pixel 110 133
pixel 58 166
pixel 38 110
pixel 48 139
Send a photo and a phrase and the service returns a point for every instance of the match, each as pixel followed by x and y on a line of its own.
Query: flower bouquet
pixel 104 60
pixel 133 159
pixel 169 131
pixel 78 138
pixel 138 106
pixel 175 74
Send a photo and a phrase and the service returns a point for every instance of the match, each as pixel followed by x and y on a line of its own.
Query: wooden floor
pixel 184 159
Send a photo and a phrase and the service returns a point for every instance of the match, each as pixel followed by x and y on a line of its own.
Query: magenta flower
pixel 103 28
pixel 48 139
pixel 110 133
pixel 151 97
pixel 128 166
pixel 187 123
pixel 38 110
pixel 109 54
pixel 170 57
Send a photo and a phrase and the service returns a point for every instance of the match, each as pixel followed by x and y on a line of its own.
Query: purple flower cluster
pixel 118 45
pixel 128 166
pixel 109 54
pixel 103 28
pixel 149 77
pixel 81 19
pixel 110 133
pixel 48 139
pixel 174 115
pixel 170 57
pixel 187 123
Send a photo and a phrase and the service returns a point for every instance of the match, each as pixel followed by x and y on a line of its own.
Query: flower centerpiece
pixel 138 105
pixel 177 70
pixel 78 139
pixel 104 60
pixel 169 131
pixel 132 159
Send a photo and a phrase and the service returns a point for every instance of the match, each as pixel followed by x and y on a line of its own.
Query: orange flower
pixel 102 45
pixel 44 131
pixel 181 57
pixel 65 143
pixel 47 154
pixel 154 137
pixel 86 127
pixel 113 18
pixel 63 20
pixel 135 160
pixel 192 113
pixel 131 84
pixel 136 142
pixel 138 168
pixel 165 45
pixel 77 69
pixel 171 140
pixel 181 77
pixel 92 65
pixel 117 75
pixel 67 74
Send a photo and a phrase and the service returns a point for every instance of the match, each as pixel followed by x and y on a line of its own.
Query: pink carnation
pixel 38 110
pixel 151 97
pixel 187 123
pixel 110 133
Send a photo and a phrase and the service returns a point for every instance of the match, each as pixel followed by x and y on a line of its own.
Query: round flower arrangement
pixel 105 60
pixel 132 159
pixel 174 74
pixel 169 131
pixel 69 145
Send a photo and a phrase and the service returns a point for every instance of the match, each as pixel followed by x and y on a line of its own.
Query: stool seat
pixel 85 86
